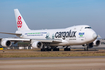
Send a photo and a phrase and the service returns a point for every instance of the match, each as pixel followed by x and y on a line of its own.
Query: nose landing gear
pixel 85 47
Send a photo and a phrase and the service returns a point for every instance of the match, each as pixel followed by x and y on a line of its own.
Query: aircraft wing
pixel 29 40
pixel 16 39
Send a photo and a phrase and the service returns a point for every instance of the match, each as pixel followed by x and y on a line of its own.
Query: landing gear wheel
pixel 43 49
pixel 66 49
pixel 56 49
pixel 48 49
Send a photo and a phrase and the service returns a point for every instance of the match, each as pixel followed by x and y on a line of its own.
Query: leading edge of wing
pixel 29 40
pixel 9 33
pixel 16 39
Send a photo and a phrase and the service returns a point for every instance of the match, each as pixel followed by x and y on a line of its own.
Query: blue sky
pixel 49 14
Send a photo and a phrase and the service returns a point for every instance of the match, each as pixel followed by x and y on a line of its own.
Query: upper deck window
pixel 87 27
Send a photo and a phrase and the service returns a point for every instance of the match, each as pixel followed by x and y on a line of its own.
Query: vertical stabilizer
pixel 21 24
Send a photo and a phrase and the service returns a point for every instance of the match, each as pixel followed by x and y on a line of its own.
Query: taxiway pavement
pixel 54 63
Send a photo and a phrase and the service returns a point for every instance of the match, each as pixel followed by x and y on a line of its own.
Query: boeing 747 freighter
pixel 52 38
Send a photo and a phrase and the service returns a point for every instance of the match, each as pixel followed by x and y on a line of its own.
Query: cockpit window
pixel 87 27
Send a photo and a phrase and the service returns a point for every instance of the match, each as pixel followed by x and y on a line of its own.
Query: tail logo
pixel 19 22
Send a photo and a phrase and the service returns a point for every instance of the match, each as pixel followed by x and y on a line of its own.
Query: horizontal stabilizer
pixel 10 33
pixel 16 39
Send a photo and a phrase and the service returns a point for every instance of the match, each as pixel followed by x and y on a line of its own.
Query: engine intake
pixel 37 44
pixel 6 43
pixel 96 43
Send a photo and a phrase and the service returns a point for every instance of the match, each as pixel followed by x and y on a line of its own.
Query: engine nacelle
pixel 37 44
pixel 6 43
pixel 96 43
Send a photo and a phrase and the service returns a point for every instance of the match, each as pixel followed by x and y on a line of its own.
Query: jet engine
pixel 95 43
pixel 6 43
pixel 37 44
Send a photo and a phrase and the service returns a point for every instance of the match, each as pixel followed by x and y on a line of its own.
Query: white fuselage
pixel 76 35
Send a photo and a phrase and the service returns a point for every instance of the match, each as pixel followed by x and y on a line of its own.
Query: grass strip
pixel 37 53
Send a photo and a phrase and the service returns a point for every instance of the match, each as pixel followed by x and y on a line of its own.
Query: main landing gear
pixel 67 49
pixel 48 48
pixel 45 49
pixel 55 49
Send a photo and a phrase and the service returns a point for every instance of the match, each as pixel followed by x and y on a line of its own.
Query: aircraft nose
pixel 95 36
